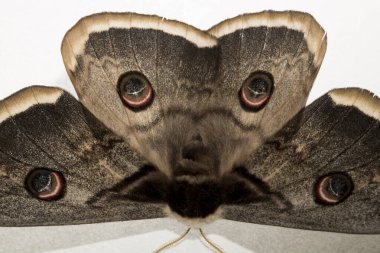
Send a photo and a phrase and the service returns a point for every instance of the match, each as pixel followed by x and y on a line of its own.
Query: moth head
pixel 194 197
pixel 200 198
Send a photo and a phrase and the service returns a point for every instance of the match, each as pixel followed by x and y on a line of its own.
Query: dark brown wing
pixel 338 134
pixel 46 128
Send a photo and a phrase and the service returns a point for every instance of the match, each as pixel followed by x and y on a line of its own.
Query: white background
pixel 30 39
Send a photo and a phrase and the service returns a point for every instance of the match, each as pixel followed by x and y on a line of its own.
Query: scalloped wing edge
pixel 315 36
pixel 75 39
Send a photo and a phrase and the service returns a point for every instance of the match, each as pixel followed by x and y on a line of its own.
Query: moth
pixel 195 125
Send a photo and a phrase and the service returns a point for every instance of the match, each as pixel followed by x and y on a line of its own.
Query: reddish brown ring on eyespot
pixel 333 188
pixel 256 90
pixel 45 184
pixel 135 90
pixel 252 104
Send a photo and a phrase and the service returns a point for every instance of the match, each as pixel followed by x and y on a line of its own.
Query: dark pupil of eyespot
pixel 41 181
pixel 134 87
pixel 257 87
pixel 338 186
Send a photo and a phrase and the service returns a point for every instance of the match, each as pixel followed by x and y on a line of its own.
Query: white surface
pixel 31 33
pixel 149 235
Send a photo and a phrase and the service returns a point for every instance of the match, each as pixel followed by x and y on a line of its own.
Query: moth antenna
pixel 173 242
pixel 213 245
